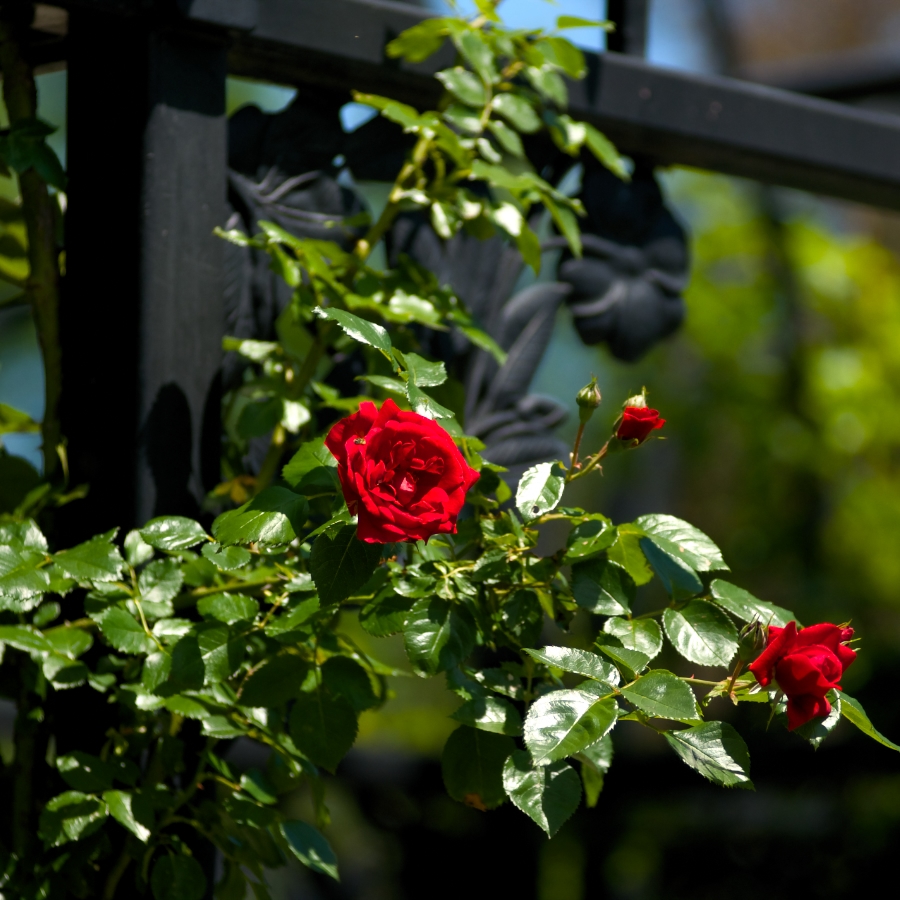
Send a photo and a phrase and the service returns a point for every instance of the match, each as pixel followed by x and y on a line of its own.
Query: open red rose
pixel 637 422
pixel 806 665
pixel 401 473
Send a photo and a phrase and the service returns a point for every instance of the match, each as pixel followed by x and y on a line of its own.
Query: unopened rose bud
pixel 588 399
pixel 638 401
pixel 633 427
pixel 752 639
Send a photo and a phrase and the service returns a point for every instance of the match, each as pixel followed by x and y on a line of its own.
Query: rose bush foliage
pixel 193 638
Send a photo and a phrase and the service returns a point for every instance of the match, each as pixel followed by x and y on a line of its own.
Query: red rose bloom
pixel 401 473
pixel 637 423
pixel 806 665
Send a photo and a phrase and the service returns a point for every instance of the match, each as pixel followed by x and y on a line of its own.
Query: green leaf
pixel 577 22
pixel 310 847
pixel 258 786
pixel 311 455
pixel 25 638
pixel 626 551
pixel 416 44
pixel 660 693
pixel 124 632
pixel 385 615
pixel 221 649
pixel 275 683
pixel 172 533
pixel 540 490
pixel 702 633
pixel 644 635
pixel 91 774
pixel 522 617
pixel 463 85
pixel 508 139
pixel 595 762
pixel 716 751
pixel 70 817
pixel 344 677
pixel 425 405
pixel 605 151
pixel 603 587
pixel 438 635
pixel 853 711
pixel 549 84
pixel 478 54
pixel 565 54
pixel 284 626
pixel 581 662
pixel 274 516
pixel 518 112
pixel 341 565
pixel 589 538
pixel 679 580
pixel 22 535
pixel 629 662
pixel 95 560
pixel 226 558
pixel 472 766
pixel 159 583
pixel 490 713
pixel 69 640
pixel 546 794
pixel 359 329
pixel 423 372
pixel 561 723
pixel 178 878
pixel 323 726
pixel 20 577
pixel 748 608
pixel 157 667
pixel 125 808
pixel 683 541
pixel 228 608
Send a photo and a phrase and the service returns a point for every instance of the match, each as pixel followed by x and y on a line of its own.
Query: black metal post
pixel 630 18
pixel 142 307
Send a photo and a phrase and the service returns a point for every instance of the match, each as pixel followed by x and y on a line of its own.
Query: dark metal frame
pixel 147 81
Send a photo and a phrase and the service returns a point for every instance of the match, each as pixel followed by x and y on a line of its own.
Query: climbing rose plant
pixel 181 640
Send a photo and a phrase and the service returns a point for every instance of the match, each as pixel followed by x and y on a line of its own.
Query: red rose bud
pixel 401 474
pixel 805 665
pixel 636 423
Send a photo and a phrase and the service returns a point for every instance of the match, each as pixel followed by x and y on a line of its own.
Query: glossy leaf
pixel 385 615
pixel 345 677
pixel 562 723
pixel 716 751
pixel 124 632
pixel 627 552
pixel 274 683
pixel 228 608
pixel 172 533
pixel 91 774
pixel 359 329
pixel 629 662
pixel 438 635
pixel 644 635
pixel 342 565
pixel 659 693
pixel 589 538
pixel 69 817
pixel 308 844
pixel 226 558
pixel 702 633
pixel 323 727
pixel 580 662
pixel 312 455
pixel 853 711
pixel 679 580
pixel 94 560
pixel 136 817
pixel 683 541
pixel 595 762
pixel 178 878
pixel 490 713
pixel 518 112
pixel 746 607
pixel 463 85
pixel 540 490
pixel 472 766
pixel 546 794
pixel 274 516
pixel 221 649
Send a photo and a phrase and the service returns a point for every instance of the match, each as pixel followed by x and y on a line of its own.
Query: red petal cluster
pixel 400 473
pixel 637 423
pixel 806 665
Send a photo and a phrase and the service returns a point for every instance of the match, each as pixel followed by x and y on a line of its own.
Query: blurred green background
pixel 782 396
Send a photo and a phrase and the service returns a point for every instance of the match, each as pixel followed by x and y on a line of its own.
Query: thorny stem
pixel 592 464
pixel 574 458
pixel 42 287
pixel 734 676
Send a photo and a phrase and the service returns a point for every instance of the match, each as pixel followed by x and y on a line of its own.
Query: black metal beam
pixel 142 318
pixel 675 117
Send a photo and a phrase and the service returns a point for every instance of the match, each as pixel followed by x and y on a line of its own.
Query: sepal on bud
pixel 752 640
pixel 588 399
pixel 638 400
